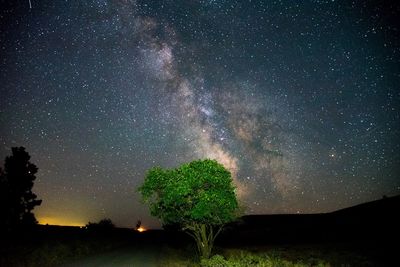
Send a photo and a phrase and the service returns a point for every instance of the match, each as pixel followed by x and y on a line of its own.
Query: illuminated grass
pixel 265 257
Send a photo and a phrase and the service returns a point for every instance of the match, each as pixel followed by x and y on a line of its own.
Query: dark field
pixel 365 235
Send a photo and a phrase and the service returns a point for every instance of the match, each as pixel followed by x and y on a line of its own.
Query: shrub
pixel 214 261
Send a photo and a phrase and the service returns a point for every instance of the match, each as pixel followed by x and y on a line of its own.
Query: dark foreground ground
pixel 143 256
pixel 74 247
pixel 365 235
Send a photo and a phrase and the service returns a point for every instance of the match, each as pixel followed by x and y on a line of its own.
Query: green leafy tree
pixel 198 196
pixel 16 197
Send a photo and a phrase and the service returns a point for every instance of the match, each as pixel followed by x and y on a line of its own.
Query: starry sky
pixel 298 99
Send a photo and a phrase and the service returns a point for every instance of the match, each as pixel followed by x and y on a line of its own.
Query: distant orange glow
pixel 59 221
pixel 141 229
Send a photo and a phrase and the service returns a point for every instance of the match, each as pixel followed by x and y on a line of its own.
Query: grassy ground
pixel 54 246
pixel 52 253
pixel 75 247
pixel 273 256
pixel 134 256
pixel 92 254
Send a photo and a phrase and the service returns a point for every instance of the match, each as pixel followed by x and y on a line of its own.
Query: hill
pixel 376 220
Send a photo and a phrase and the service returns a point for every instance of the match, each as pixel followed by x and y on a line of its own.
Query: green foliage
pixel 199 196
pixel 243 259
pixel 214 261
pixel 200 191
pixel 246 259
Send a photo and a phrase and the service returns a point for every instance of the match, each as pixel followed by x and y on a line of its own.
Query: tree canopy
pixel 199 196
pixel 16 181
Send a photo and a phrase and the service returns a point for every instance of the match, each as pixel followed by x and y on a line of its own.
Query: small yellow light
pixel 141 229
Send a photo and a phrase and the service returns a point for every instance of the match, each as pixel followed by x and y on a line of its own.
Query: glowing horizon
pixel 59 221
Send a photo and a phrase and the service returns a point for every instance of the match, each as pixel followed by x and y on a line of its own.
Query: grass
pixel 53 252
pixel 56 253
pixel 54 248
pixel 293 256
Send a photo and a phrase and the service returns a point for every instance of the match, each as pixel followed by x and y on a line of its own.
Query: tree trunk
pixel 204 235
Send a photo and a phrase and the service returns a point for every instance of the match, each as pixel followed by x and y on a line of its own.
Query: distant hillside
pixel 384 206
pixel 376 219
pixel 387 207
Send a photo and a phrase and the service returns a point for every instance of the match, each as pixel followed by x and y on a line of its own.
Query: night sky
pixel 298 99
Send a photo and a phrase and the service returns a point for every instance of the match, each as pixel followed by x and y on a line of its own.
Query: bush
pixel 214 261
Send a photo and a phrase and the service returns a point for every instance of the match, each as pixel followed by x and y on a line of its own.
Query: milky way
pixel 300 101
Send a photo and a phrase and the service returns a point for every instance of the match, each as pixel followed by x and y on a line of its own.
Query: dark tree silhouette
pixel 16 197
pixel 138 224
pixel 102 225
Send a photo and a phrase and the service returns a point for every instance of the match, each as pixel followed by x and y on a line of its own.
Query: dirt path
pixel 126 257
